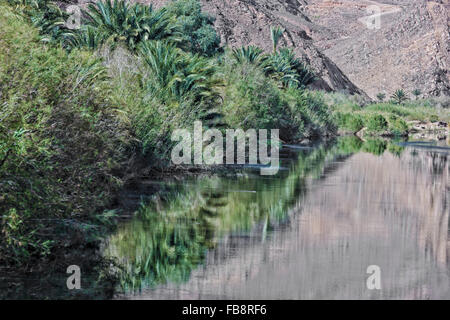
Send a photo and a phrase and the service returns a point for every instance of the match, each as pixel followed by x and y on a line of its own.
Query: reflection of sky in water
pixel 312 232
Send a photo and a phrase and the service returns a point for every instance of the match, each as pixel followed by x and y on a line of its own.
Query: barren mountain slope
pixel 410 50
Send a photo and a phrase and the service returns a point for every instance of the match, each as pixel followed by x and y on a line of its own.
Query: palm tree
pixel 86 37
pixel 250 54
pixel 399 96
pixel 50 20
pixel 119 21
pixel 177 75
pixel 381 97
pixel 417 93
pixel 289 70
pixel 276 33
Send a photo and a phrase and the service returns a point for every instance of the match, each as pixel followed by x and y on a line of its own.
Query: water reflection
pixel 308 233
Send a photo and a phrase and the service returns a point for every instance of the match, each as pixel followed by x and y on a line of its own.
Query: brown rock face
pixel 410 50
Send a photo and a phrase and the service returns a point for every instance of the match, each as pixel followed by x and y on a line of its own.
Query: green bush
pixel 399 96
pixel 349 121
pixel 397 125
pixel 61 142
pixel 252 100
pixel 283 66
pixel 119 21
pixel 376 123
pixel 174 74
pixel 197 29
pixel 434 118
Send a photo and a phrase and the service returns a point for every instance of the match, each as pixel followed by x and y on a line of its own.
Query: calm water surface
pixel 309 232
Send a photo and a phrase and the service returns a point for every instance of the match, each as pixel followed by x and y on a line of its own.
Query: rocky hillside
pixel 410 50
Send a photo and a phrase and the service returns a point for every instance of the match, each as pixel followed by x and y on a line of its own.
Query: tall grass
pixel 61 141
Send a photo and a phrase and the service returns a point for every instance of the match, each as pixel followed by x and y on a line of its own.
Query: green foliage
pixel 119 21
pixel 178 89
pixel 289 70
pixel 395 149
pixel 376 123
pixel 349 121
pixel 197 30
pixel 375 146
pixel 250 54
pixel 434 118
pixel 48 19
pixel 252 100
pixel 399 96
pixel 60 140
pixel 397 125
pixel 88 37
pixel 276 33
pixel 416 93
pixel 381 97
pixel 175 75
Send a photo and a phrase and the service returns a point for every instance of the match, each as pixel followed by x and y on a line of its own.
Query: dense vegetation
pixel 61 139
pixel 390 118
pixel 76 104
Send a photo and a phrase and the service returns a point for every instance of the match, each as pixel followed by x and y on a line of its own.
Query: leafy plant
pixel 289 70
pixel 177 75
pixel 381 97
pixel 275 34
pixel 349 121
pixel 376 123
pixel 49 19
pixel 118 21
pixel 416 93
pixel 196 28
pixel 250 54
pixel 399 96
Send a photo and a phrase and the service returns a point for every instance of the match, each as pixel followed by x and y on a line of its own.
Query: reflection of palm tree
pixel 167 242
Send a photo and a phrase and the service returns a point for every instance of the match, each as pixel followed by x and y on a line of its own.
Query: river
pixel 310 232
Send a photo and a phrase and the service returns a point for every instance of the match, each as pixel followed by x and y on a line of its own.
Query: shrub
pixel 289 70
pixel 250 54
pixel 375 146
pixel 197 29
pixel 252 100
pixel 399 96
pixel 61 143
pixel 351 122
pixel 175 75
pixel 381 97
pixel 376 123
pixel 397 125
pixel 434 118
pixel 119 21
